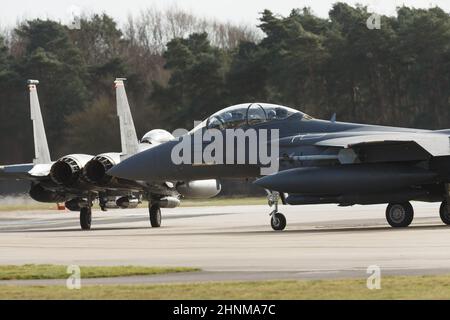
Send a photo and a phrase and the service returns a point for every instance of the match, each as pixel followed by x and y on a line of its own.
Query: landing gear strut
pixel 86 215
pixel 278 220
pixel 102 200
pixel 399 215
pixel 155 215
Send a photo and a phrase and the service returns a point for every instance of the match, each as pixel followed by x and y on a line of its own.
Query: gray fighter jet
pixel 45 187
pixel 79 179
pixel 317 161
pixel 160 194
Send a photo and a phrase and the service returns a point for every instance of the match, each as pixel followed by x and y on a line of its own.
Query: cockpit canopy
pixel 248 114
pixel 157 136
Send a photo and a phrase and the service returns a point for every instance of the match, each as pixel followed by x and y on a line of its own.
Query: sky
pixel 237 11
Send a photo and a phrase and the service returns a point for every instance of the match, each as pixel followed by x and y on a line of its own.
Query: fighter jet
pixel 79 179
pixel 160 194
pixel 43 172
pixel 316 161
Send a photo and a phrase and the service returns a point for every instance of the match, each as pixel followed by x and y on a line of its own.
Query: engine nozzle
pixel 95 170
pixel 65 171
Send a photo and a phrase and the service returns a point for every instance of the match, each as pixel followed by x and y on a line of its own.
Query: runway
pixel 233 243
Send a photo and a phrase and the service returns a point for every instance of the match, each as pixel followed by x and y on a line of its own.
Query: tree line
pixel 182 68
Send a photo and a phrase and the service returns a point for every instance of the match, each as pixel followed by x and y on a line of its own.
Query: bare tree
pixel 153 28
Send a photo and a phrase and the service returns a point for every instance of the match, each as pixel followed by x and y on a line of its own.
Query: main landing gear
pixel 86 215
pixel 85 218
pixel 278 220
pixel 444 212
pixel 399 215
pixel 155 215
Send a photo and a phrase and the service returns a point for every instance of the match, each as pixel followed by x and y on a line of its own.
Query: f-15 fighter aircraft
pixel 45 186
pixel 312 161
pixel 79 179
pixel 160 194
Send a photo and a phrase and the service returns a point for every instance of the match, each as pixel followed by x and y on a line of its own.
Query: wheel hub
pixel 398 214
pixel 276 222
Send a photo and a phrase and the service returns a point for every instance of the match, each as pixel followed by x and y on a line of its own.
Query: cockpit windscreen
pixel 248 114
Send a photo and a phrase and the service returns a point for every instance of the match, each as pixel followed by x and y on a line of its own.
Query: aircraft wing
pixel 29 171
pixel 393 146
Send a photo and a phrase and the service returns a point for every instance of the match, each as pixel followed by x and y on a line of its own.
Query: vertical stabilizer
pixel 128 137
pixel 42 153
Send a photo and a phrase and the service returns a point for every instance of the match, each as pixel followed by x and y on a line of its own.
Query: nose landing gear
pixel 278 220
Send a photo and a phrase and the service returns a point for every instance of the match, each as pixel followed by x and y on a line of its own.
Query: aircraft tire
pixel 444 213
pixel 399 215
pixel 155 216
pixel 278 222
pixel 85 218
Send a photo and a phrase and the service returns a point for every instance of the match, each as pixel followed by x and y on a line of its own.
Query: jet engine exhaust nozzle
pixel 95 170
pixel 65 171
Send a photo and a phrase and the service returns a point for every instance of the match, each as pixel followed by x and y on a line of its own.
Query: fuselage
pixel 327 161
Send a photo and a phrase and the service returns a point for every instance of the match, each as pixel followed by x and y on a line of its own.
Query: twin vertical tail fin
pixel 41 150
pixel 128 137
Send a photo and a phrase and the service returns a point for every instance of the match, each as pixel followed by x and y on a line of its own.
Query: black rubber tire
pixel 155 216
pixel 399 215
pixel 444 213
pixel 278 222
pixel 85 218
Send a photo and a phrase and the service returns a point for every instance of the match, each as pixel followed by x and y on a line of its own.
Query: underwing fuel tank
pixel 199 189
pixel 351 199
pixel 346 179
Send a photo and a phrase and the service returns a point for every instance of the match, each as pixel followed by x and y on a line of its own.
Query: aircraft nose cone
pixel 154 164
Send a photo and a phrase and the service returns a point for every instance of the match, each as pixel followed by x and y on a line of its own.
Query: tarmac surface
pixel 231 243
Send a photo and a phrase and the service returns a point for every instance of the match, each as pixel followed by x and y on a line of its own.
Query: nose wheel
pixel 278 220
